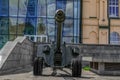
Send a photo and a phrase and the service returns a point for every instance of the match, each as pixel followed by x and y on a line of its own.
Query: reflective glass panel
pixel 68 39
pixel 23 8
pixel 51 26
pixel 21 25
pixel 4 10
pixel 3 40
pixel 68 27
pixel 42 8
pixel 41 26
pixel 12 37
pixel 4 24
pixel 51 8
pixel 30 26
pixel 36 18
pixel 13 7
pixel 113 8
pixel 12 25
pixel 69 9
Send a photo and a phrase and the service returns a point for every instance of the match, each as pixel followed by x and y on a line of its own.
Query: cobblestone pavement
pixel 61 75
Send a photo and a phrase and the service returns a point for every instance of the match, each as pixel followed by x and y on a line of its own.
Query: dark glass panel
pixel 4 11
pixel 117 11
pixel 32 8
pixel 4 23
pixel 30 26
pixel 3 40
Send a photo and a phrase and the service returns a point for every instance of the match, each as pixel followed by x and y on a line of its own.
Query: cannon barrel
pixel 59 18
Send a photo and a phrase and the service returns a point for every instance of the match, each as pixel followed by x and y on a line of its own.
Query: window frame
pixel 113 8
pixel 115 38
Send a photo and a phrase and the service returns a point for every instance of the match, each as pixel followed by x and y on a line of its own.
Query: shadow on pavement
pixel 67 75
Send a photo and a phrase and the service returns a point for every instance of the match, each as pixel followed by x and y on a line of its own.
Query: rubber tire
pixel 76 68
pixel 79 68
pixel 35 67
pixel 38 66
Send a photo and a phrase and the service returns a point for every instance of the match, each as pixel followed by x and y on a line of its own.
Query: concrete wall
pixel 104 59
pixel 101 53
pixel 16 55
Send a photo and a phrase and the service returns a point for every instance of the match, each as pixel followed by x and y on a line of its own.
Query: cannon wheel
pixel 76 68
pixel 38 66
pixel 79 68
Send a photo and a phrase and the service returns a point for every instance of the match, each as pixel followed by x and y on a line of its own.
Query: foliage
pixel 86 68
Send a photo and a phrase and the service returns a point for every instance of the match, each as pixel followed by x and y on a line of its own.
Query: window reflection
pixel 13 7
pixel 41 26
pixel 113 8
pixel 4 11
pixel 21 25
pixel 51 38
pixel 28 26
pixel 12 25
pixel 51 26
pixel 4 25
pixel 41 8
pixel 22 8
pixel 68 39
pixel 51 9
pixel 12 37
pixel 3 40
pixel 68 27
pixel 36 17
pixel 69 9
pixel 114 38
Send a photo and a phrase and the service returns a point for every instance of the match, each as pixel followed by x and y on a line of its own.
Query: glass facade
pixel 36 18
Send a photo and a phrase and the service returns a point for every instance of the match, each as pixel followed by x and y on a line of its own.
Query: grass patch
pixel 86 68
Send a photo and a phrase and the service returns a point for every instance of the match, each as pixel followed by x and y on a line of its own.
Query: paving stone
pixel 86 75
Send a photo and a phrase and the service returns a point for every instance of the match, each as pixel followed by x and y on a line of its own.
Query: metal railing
pixel 37 38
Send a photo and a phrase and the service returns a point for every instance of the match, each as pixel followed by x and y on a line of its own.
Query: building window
pixel 114 38
pixel 113 8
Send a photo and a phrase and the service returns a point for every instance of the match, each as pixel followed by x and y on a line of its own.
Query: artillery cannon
pixel 58 55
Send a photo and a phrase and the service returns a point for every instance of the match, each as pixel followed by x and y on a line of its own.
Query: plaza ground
pixel 61 75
